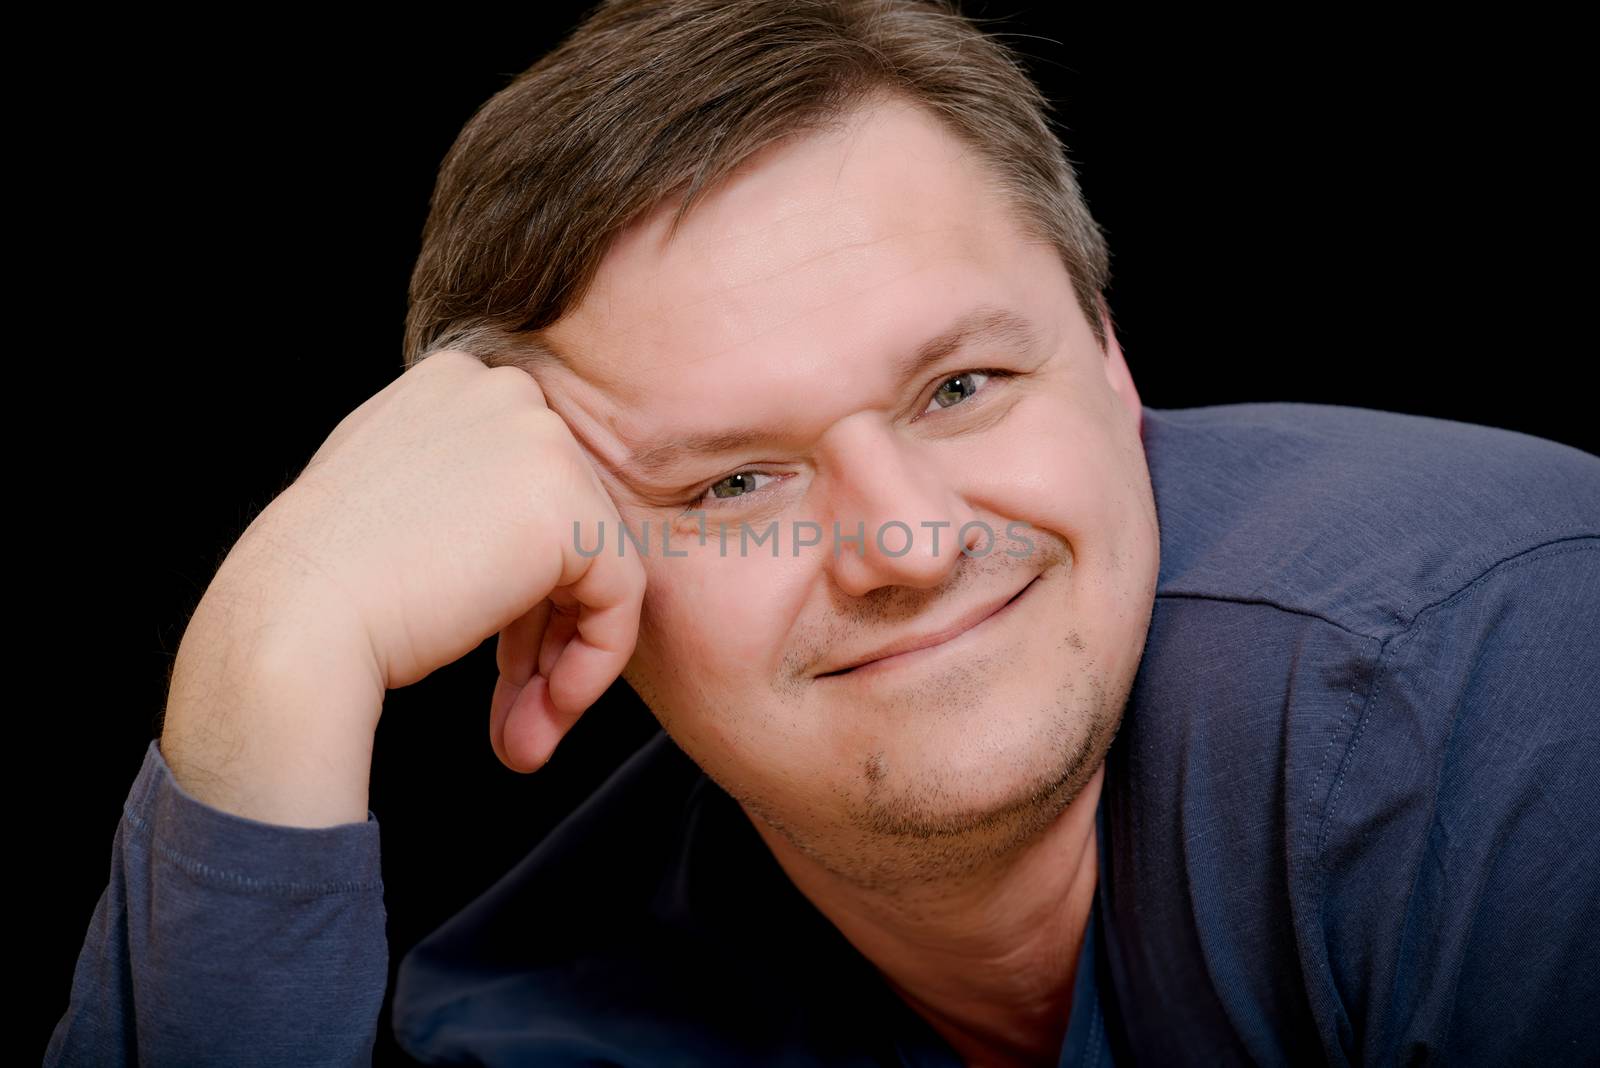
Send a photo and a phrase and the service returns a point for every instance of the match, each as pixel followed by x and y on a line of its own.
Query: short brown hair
pixel 647 99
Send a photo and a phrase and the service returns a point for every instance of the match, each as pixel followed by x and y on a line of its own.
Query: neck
pixel 988 958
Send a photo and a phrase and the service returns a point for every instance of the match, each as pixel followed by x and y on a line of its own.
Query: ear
pixel 1117 374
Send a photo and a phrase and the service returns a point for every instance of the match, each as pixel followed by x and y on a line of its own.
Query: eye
pixel 738 484
pixel 957 388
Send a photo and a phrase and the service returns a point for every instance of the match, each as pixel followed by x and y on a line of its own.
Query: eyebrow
pixel 984 323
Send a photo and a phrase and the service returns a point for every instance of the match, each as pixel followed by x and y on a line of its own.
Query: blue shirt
pixel 1347 820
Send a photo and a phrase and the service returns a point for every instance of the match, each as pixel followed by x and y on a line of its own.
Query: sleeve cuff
pixel 246 855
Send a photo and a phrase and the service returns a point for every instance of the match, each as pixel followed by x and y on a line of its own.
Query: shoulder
pixel 1362 729
pixel 1459 849
pixel 1360 517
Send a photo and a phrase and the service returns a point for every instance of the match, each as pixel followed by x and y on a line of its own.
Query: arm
pixel 244 919
pixel 221 939
pixel 243 922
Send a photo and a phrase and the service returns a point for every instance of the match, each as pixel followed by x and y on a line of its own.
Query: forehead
pixel 819 253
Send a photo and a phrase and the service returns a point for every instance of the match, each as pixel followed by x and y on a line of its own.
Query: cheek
pixel 1072 472
pixel 1051 464
pixel 712 635
pixel 1085 480
pixel 719 621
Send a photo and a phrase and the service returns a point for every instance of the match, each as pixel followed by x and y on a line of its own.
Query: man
pixel 1046 727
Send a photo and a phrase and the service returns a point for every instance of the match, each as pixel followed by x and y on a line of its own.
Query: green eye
pixel 966 385
pixel 732 488
pixel 736 485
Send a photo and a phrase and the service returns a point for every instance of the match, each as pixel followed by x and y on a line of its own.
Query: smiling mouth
pixel 1013 599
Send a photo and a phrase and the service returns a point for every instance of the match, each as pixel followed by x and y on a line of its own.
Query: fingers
pixel 559 658
pixel 610 597
pixel 585 635
pixel 518 644
pixel 525 726
pixel 505 695
pixel 595 656
pixel 563 624
pixel 533 728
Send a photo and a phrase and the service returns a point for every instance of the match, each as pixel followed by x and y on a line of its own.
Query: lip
pixel 898 652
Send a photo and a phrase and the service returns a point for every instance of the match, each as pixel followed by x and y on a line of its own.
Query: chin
pixel 989 779
pixel 901 826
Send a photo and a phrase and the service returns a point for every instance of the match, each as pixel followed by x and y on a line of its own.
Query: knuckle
pixel 516 382
pixel 441 361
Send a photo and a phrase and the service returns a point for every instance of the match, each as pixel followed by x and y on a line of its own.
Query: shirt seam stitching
pixel 227 879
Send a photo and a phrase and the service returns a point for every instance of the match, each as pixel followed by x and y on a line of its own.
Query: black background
pixel 1329 208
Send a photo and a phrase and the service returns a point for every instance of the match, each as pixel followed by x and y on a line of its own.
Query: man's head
pixel 793 302
pixel 656 101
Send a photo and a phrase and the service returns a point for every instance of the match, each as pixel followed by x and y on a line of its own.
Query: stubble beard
pixel 905 844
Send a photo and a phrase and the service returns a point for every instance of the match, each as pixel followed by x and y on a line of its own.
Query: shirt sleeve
pixel 1497 957
pixel 221 939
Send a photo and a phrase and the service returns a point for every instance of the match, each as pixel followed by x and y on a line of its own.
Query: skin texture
pixel 939 809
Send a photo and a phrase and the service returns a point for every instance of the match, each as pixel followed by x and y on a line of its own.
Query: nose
pixel 894 515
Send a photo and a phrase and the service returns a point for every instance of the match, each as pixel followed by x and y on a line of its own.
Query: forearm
pixel 274 697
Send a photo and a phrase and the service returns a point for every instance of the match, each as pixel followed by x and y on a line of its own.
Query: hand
pixel 443 508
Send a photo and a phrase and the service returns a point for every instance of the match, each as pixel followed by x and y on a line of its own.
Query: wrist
pixel 274 701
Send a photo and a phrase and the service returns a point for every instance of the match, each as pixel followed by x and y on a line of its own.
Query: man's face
pixel 786 304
